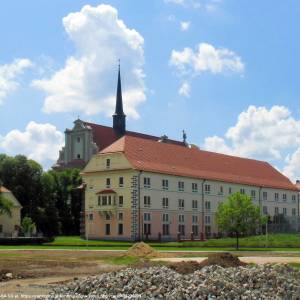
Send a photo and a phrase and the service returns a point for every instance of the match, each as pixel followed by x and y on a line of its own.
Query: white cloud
pixel 206 58
pixel 262 133
pixel 185 89
pixel 178 2
pixel 185 25
pixel 9 74
pixel 87 82
pixel 40 142
pixel 206 5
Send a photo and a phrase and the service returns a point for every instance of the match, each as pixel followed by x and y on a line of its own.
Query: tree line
pixel 49 198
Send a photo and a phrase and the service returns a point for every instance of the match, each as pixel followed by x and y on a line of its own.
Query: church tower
pixel 119 118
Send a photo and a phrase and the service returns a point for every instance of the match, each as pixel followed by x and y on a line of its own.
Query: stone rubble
pixel 211 282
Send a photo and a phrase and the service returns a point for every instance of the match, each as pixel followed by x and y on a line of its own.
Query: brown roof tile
pixel 104 136
pixel 153 156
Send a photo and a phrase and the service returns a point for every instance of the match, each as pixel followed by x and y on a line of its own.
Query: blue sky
pixel 238 74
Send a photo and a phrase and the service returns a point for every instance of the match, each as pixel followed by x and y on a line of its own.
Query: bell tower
pixel 119 118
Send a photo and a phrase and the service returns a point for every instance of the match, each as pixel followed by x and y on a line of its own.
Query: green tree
pixel 27 225
pixel 5 204
pixel 238 215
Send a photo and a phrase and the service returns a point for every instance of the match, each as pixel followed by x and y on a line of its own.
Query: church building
pixel 86 139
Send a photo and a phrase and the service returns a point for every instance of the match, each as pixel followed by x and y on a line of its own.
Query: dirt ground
pixel 41 270
pixel 250 259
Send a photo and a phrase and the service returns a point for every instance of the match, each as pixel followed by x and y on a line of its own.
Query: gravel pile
pixel 251 282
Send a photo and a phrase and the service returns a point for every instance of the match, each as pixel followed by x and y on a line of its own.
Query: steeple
pixel 119 122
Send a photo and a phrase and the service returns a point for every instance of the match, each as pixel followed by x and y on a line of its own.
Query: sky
pixel 225 71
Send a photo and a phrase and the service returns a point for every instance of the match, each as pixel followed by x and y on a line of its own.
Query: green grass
pixel 295 265
pixel 276 242
pixel 121 260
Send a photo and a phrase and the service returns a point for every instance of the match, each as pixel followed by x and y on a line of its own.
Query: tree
pixel 5 204
pixel 239 215
pixel 27 226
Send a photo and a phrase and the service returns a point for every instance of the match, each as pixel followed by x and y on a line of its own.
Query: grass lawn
pixel 279 242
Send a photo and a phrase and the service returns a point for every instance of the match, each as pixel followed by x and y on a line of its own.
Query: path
pixel 247 259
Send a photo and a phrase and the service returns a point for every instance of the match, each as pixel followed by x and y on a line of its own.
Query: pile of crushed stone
pixel 211 282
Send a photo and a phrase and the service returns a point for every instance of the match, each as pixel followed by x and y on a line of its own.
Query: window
pixel 120 216
pixel 194 204
pixel 108 182
pixel 147 217
pixel 121 181
pixel 108 163
pixel 165 184
pixel 229 190
pixel 181 218
pixel 194 219
pixel 107 229
pixel 165 202
pixel 104 200
pixel 120 229
pixel 181 203
pixel 284 211
pixel 253 194
pixel 108 200
pixel 90 217
pixel 166 229
pixel 147 182
pixel 195 229
pixel 165 218
pixel 242 191
pixel 276 196
pixel 276 211
pixel 207 219
pixel 221 191
pixel 284 197
pixel 107 217
pixel 207 230
pixel 121 201
pixel 78 156
pixel 207 188
pixel 180 186
pixel 265 196
pixel 99 200
pixel 1 228
pixel 293 211
pixel 265 210
pixel 78 139
pixel 194 187
pixel 147 229
pixel 207 205
pixel 147 201
pixel 293 198
pixel 181 229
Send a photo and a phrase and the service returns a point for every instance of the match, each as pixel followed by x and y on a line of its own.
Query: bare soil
pixel 41 270
pixel 225 260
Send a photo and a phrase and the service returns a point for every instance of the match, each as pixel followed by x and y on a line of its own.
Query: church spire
pixel 119 117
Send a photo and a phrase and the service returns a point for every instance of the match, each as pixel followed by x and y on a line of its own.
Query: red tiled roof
pixel 104 136
pixel 4 189
pixel 153 156
pixel 108 191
